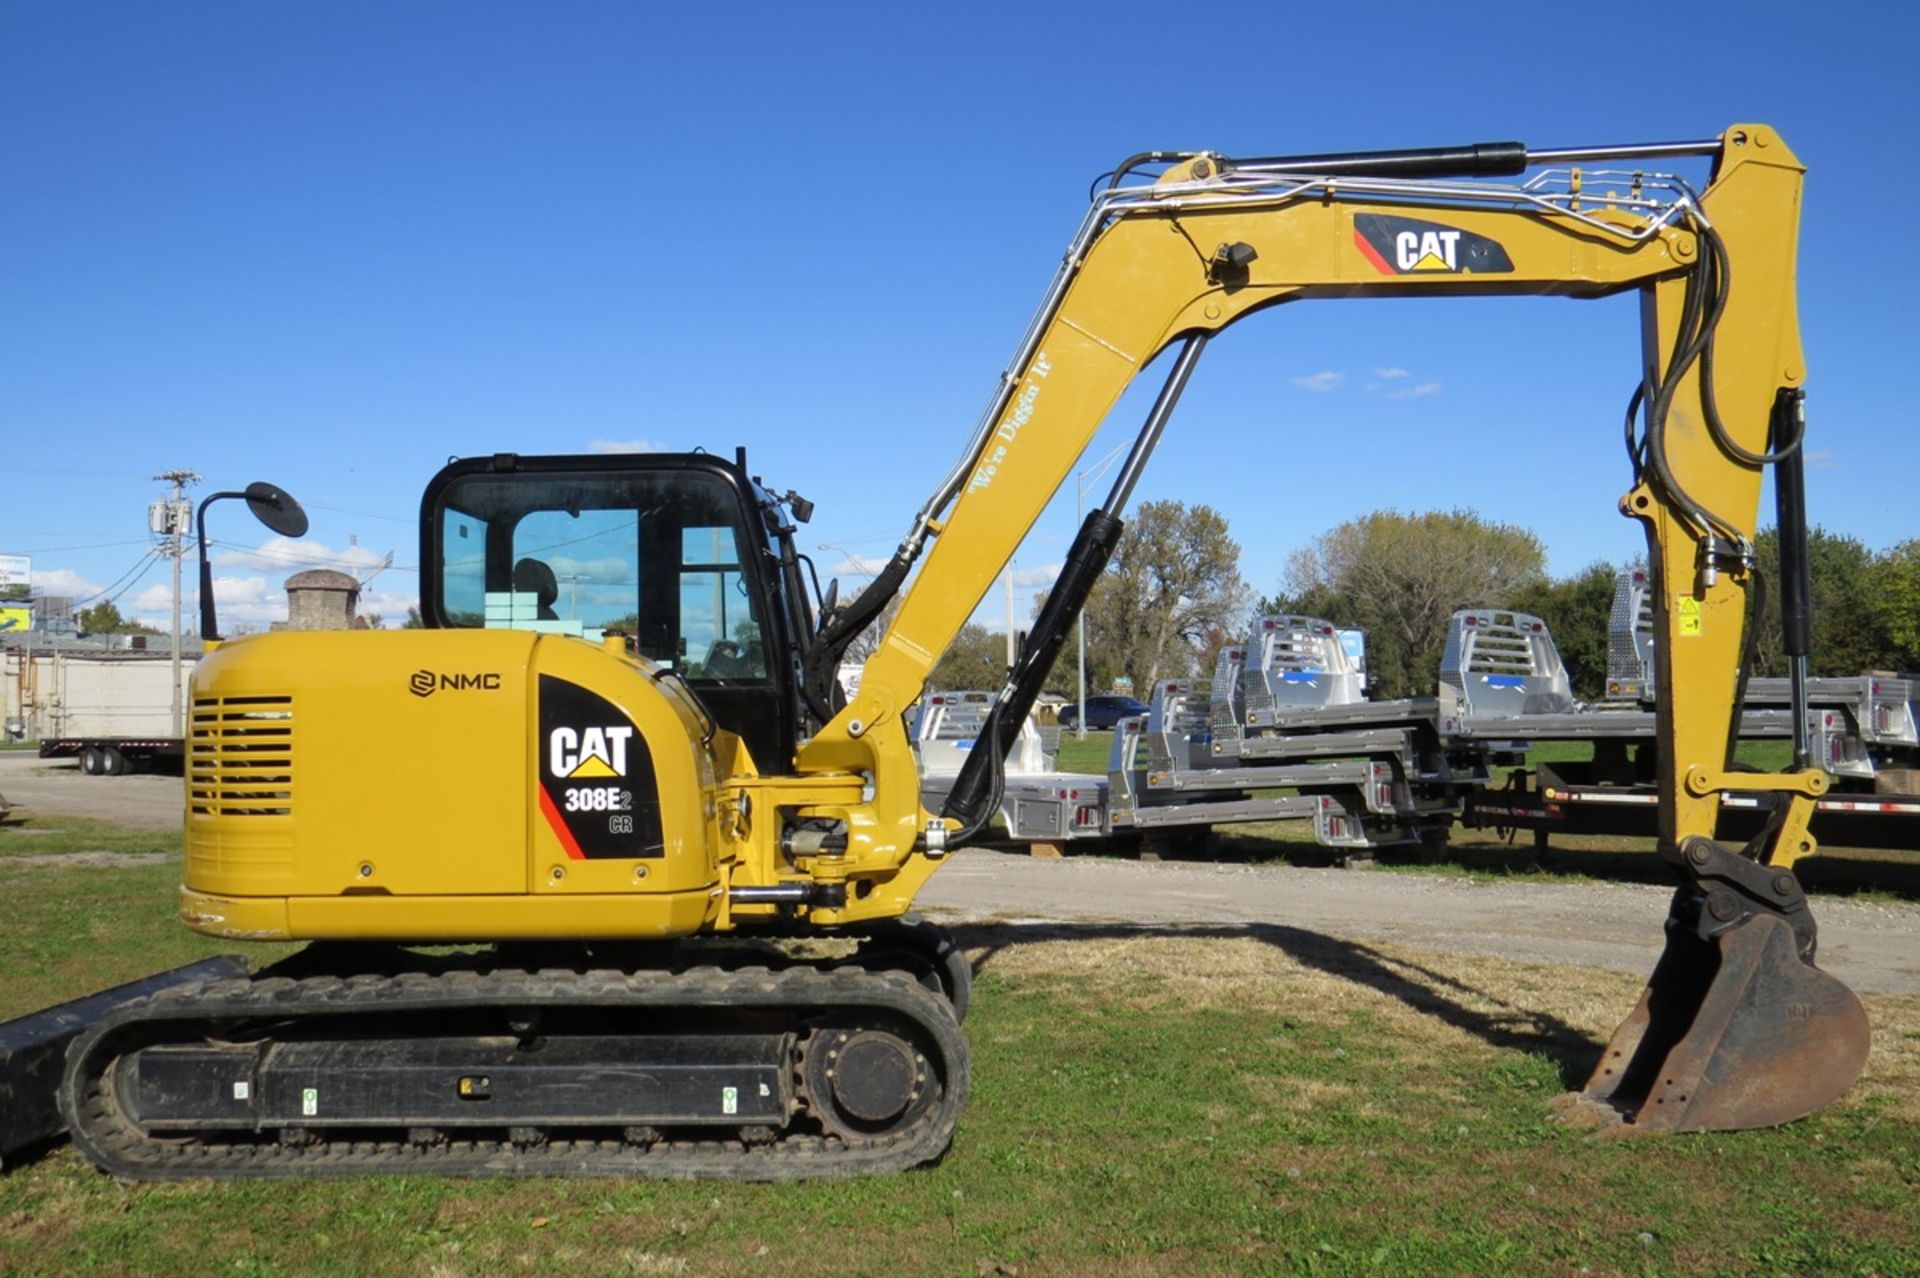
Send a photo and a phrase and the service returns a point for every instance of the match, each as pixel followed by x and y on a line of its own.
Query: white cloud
pixel 285 555
pixel 1325 380
pixel 249 603
pixel 1821 459
pixel 252 600
pixel 159 599
pixel 614 569
pixel 1389 374
pixel 391 608
pixel 1042 576
pixel 624 446
pixel 63 581
pixel 1417 392
pixel 858 566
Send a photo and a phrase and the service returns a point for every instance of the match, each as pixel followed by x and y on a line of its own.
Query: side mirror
pixel 273 507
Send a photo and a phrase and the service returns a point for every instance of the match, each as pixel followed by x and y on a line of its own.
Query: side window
pixel 718 634
pixel 463 555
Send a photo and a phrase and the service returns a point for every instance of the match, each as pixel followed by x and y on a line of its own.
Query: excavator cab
pixel 682 553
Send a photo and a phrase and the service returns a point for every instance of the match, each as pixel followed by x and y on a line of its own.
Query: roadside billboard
pixel 16 575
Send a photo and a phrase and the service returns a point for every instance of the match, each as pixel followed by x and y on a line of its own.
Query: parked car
pixel 1102 712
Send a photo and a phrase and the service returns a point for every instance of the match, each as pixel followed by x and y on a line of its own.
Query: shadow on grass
pixel 1420 988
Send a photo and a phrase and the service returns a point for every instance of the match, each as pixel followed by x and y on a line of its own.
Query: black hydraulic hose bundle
pixel 1790 507
pixel 1787 429
pixel 842 625
pixel 977 791
pixel 1700 310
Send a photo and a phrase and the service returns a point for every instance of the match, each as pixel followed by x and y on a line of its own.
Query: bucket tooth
pixel 1733 1031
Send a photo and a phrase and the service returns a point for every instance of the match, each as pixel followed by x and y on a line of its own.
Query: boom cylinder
pixel 973 798
pixel 1788 427
pixel 975 791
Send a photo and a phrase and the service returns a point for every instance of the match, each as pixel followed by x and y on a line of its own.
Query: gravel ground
pixel 57 787
pixel 1873 946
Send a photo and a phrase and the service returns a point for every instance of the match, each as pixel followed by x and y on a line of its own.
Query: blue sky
pixel 331 245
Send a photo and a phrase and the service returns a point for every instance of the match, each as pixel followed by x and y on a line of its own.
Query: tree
pixel 1896 605
pixel 977 658
pixel 104 619
pixel 1577 611
pixel 1174 579
pixel 867 642
pixel 1848 633
pixel 413 621
pixel 1401 577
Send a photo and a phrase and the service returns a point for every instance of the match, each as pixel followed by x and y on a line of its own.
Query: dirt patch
pixel 104 860
pixel 1617 926
pixel 56 787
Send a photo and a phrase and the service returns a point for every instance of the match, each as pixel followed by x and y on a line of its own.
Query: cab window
pixel 654 554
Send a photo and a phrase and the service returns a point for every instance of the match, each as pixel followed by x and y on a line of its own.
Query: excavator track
pixel 748 1074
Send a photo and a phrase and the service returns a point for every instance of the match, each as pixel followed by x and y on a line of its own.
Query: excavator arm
pixel 1737 1027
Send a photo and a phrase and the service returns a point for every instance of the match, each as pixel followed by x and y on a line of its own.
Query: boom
pixel 1213 241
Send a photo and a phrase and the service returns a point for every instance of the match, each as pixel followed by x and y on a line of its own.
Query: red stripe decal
pixel 1373 254
pixel 560 829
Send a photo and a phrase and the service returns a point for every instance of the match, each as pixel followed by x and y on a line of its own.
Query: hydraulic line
pixel 978 790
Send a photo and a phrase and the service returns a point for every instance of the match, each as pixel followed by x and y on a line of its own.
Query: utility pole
pixel 178 517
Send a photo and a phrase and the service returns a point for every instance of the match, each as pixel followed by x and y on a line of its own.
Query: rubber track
pixel 177 1014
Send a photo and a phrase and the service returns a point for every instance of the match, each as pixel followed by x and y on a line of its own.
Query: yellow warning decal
pixel 1689 616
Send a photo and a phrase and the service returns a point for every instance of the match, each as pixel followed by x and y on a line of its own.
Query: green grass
pixel 1084 756
pixel 1263 1101
pixel 73 927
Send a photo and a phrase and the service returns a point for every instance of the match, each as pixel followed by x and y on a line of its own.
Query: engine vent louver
pixel 240 757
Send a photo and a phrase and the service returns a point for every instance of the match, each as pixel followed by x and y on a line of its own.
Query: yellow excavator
pixel 516 839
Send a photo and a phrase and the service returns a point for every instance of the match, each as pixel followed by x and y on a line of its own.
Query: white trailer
pixel 113 711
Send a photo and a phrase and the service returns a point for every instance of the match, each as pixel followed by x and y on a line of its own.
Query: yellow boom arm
pixel 1214 240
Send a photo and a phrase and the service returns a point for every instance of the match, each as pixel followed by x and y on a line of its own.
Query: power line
pixel 140 565
pixel 60 550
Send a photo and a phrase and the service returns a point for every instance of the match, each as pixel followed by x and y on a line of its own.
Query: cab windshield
pixel 653 554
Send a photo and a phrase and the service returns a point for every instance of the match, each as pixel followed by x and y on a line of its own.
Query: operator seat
pixel 534 577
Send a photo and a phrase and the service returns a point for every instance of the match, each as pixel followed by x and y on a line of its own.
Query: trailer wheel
pixel 92 762
pixel 113 763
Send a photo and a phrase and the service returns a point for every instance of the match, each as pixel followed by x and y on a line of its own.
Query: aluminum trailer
pixel 1569 798
pixel 1288 713
pixel 1860 725
pixel 1040 805
pixel 1284 731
